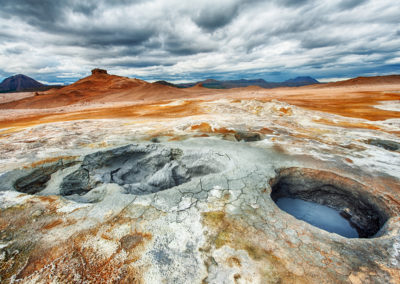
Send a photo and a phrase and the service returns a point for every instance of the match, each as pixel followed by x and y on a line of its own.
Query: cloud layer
pixel 60 41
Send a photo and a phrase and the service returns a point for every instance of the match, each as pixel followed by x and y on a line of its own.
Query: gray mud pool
pixel 317 215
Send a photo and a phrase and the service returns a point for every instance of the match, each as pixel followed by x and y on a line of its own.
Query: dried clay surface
pixel 108 185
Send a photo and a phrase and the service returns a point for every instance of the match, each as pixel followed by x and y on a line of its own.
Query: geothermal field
pixel 117 180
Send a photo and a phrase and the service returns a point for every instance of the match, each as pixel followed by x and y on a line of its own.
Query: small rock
pixel 37 213
pixel 386 144
pixel 129 242
pixel 247 136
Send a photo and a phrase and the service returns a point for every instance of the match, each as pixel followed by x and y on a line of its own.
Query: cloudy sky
pixel 178 40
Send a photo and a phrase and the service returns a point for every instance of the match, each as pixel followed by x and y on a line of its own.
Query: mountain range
pixel 228 84
pixel 20 82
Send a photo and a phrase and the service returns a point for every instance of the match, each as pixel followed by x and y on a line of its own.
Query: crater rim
pixel 353 200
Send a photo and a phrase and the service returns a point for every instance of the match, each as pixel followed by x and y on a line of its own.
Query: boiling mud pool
pixel 317 215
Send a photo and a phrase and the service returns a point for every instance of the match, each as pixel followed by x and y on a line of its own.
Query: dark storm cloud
pixel 6 35
pixel 211 18
pixel 44 11
pixel 139 63
pixel 44 15
pixel 51 16
pixel 35 12
pixel 84 8
pixel 312 41
pixel 350 4
pixel 292 2
pixel 220 13
pixel 187 39
pixel 14 50
pixel 178 46
pixel 297 25
pixel 106 37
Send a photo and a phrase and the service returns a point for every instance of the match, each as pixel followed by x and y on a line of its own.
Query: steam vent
pixel 117 180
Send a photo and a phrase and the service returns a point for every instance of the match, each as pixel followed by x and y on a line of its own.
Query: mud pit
pixel 318 215
pixel 37 180
pixel 365 213
pixel 139 169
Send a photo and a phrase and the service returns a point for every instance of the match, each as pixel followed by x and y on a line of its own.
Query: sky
pixel 181 41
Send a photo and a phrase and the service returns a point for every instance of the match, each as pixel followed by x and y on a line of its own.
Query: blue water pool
pixel 317 215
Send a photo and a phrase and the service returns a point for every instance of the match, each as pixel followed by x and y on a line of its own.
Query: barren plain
pixel 113 179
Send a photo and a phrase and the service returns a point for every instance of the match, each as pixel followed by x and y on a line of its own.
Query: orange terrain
pixel 109 96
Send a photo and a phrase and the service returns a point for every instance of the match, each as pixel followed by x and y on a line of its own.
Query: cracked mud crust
pixel 189 200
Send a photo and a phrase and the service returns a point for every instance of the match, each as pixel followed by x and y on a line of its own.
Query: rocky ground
pixel 179 191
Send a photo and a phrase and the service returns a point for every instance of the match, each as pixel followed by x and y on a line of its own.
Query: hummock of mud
pixel 140 170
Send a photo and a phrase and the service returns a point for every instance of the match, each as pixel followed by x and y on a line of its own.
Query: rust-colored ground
pixel 345 102
pixel 101 96
pixel 150 110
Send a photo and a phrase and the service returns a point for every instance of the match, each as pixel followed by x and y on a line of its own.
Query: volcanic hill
pixel 99 87
pixel 19 83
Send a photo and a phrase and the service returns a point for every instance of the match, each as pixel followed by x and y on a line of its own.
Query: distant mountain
pixel 228 84
pixel 375 80
pixel 18 83
pixel 165 83
pixel 300 81
pixel 295 82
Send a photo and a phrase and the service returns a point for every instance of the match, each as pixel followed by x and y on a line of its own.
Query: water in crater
pixel 317 215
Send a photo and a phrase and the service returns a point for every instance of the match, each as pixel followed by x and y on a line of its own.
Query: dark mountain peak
pixel 228 84
pixel 248 81
pixel 19 82
pixel 165 83
pixel 19 76
pixel 302 79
